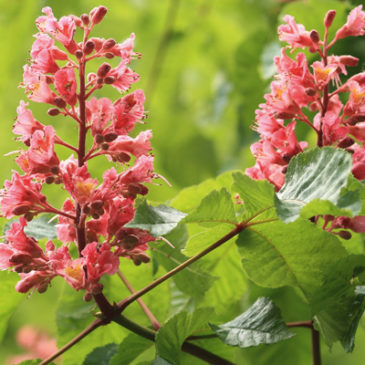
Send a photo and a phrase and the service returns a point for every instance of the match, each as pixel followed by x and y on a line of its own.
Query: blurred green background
pixel 206 65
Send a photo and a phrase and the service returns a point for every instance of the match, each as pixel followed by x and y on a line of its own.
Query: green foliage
pixel 158 220
pixel 199 281
pixel 101 355
pixel 129 349
pixel 317 174
pixel 261 323
pixel 10 299
pixel 172 334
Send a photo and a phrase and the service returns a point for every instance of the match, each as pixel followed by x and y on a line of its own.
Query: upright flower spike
pixel 94 215
pixel 299 86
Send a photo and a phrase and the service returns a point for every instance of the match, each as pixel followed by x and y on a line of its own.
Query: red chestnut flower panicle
pixel 94 215
pixel 317 87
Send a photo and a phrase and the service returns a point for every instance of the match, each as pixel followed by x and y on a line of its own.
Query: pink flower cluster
pixel 94 215
pixel 300 89
pixel 299 86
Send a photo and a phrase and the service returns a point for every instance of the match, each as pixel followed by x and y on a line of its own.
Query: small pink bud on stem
pixel 329 18
pixel 97 14
pixel 59 102
pixel 85 19
pixel 53 112
pixel 89 47
pixel 110 43
pixel 103 69
pixel 315 36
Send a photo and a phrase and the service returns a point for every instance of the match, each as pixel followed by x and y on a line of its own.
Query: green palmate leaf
pixel 173 333
pixel 193 280
pixel 129 349
pixel 157 220
pixel 9 300
pixel 317 174
pixel 206 237
pixel 231 282
pixel 216 207
pixel 338 308
pixel 190 198
pixel 301 255
pixel 101 355
pixel 261 323
pixel 160 361
pixel 258 196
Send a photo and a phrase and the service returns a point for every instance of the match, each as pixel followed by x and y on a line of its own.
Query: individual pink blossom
pixel 65 83
pixel 26 124
pixel 66 230
pixel 37 87
pixel 136 146
pixel 78 181
pixel 355 104
pixel 99 113
pixel 128 110
pixel 18 240
pixel 323 74
pixel 141 172
pixel 41 157
pixel 330 123
pixel 355 24
pixel 123 76
pixel 62 30
pixel 120 212
pixel 100 260
pixel 34 279
pixel 295 34
pixel 22 195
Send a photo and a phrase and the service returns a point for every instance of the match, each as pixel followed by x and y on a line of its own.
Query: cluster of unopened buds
pixel 316 88
pixel 94 216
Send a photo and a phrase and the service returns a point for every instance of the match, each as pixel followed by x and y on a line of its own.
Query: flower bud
pixel 104 146
pixel 53 112
pixel 97 204
pixel 99 138
pixel 28 216
pixel 95 216
pixel 21 209
pixel 356 119
pixel 314 35
pixel 97 14
pixel 88 297
pixel 109 80
pixel 86 209
pixel 85 19
pixel 123 157
pixel 100 81
pixel 346 142
pixel 110 137
pixel 55 170
pixel 109 55
pixel 20 259
pixel 310 92
pixel 110 43
pixel 42 287
pixel 59 102
pixel 284 115
pixel 89 47
pixel 346 235
pixel 136 188
pixel 103 69
pixel 49 180
pixel 79 54
pixel 131 239
pixel 329 18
